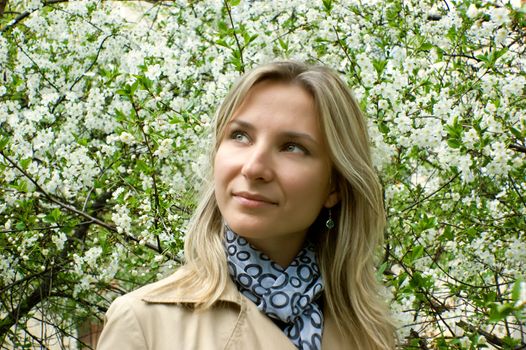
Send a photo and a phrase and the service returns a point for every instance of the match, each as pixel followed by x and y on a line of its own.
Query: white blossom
pixel 122 219
pixel 91 256
pixel 59 240
pixel 500 15
pixel 472 11
pixel 127 138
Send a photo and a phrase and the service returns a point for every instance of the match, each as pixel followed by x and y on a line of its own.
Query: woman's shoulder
pixel 165 290
pixel 153 316
pixel 174 289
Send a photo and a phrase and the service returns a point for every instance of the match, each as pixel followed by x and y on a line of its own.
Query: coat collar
pixel 168 291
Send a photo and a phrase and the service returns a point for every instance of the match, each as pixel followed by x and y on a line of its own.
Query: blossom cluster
pixel 105 113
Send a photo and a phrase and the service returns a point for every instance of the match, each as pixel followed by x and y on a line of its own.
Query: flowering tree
pixel 104 119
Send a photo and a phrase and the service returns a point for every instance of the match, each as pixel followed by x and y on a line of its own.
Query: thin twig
pixel 43 228
pixel 346 53
pixel 157 208
pixel 62 97
pixel 239 47
pixel 430 195
pixel 25 14
pixel 517 190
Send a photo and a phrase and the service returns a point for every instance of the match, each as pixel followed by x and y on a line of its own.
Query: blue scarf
pixel 288 296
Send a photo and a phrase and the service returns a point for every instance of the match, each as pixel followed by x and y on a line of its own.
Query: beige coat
pixel 157 317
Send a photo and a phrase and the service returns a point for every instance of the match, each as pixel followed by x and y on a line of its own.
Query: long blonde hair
pixel 347 252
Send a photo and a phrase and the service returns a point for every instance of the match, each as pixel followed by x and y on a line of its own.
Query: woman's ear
pixel 334 195
pixel 332 199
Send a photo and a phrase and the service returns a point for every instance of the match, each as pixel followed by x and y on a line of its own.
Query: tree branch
pixel 25 14
pixel 90 218
pixel 40 228
pixel 48 277
pixel 26 305
pixel 518 148
pixel 492 339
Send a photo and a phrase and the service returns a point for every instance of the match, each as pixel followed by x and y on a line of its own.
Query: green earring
pixel 330 222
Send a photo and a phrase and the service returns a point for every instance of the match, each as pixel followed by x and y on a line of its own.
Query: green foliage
pixel 104 122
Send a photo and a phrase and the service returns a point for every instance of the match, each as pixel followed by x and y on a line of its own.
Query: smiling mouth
pixel 253 200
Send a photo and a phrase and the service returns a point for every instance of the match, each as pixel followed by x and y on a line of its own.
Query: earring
pixel 330 222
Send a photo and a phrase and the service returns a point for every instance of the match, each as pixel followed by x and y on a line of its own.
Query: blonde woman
pixel 280 252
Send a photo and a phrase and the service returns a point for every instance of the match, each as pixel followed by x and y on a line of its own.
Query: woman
pixel 280 251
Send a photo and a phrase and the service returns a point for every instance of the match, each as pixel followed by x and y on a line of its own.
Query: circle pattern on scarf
pixel 254 270
pixel 286 295
pixel 279 299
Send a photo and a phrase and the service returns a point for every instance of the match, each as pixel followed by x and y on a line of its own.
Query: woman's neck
pixel 282 250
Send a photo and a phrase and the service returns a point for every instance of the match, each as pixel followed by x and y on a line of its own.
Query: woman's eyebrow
pixel 285 134
pixel 242 124
pixel 299 136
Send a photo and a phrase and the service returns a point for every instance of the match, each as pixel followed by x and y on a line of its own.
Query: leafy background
pixel 104 119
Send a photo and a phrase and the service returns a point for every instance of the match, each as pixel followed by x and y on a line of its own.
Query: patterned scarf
pixel 288 296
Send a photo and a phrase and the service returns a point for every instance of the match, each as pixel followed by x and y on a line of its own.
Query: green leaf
pixel 483 58
pixel 514 131
pixel 327 5
pixel 448 233
pixel 379 65
pixel 499 53
pixel 251 38
pixel 122 92
pixel 454 143
pixel 381 269
pixel 222 26
pixel 426 223
pixel 222 42
pixel 418 252
pixel 142 166
pixel 3 142
pixel 426 46
pixel 417 281
pixel 383 127
pixel 120 116
pixel 20 186
pixel 500 311
pixel 284 45
pixel 454 132
pixel 55 214
pixel 24 163
pixel 516 290
pixel 145 82
pixel 83 141
pixel 454 129
pixel 134 87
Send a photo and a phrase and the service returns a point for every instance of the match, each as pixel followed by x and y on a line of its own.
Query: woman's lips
pixel 252 200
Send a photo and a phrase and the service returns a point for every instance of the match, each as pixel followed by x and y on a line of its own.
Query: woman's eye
pixel 294 148
pixel 239 136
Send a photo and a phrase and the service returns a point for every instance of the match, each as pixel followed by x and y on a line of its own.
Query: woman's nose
pixel 258 164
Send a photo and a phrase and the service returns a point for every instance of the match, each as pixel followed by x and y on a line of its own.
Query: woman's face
pixel 272 169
